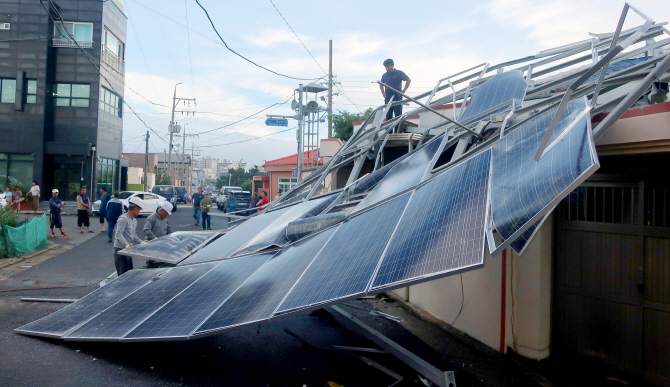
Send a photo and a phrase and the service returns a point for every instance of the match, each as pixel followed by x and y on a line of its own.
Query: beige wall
pixel 480 317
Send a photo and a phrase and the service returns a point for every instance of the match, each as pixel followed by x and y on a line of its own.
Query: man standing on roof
pixel 393 78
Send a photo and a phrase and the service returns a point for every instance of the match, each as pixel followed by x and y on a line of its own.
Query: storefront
pixel 107 174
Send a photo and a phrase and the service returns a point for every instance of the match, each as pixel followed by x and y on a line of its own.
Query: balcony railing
pixel 60 42
pixel 112 60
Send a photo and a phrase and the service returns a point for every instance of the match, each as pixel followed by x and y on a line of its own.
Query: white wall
pixel 481 314
pixel 135 175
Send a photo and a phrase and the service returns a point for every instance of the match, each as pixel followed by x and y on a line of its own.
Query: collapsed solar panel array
pixel 414 219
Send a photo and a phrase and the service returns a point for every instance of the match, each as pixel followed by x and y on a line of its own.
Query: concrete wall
pixel 135 175
pixel 528 295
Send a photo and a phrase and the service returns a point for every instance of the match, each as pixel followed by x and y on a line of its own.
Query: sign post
pixel 276 122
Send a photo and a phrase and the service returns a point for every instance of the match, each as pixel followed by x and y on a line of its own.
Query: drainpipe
pixel 92 171
pixel 503 301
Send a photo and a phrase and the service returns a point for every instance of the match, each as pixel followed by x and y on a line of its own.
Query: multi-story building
pixel 61 81
pixel 181 166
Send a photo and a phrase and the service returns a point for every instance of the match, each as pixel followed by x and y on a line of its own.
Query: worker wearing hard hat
pixel 125 235
pixel 157 225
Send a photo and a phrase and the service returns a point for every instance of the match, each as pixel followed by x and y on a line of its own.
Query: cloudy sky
pixel 171 41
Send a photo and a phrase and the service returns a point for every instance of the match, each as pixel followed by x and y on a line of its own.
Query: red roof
pixel 292 160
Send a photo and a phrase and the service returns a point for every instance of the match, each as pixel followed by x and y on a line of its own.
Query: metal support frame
pixel 427 370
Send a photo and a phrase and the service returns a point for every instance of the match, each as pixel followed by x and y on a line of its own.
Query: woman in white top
pixel 35 192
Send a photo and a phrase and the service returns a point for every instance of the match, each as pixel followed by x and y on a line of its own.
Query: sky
pixel 171 41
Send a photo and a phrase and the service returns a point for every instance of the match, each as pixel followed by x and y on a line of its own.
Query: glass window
pixel 16 170
pixel 81 32
pixel 80 95
pixel 113 44
pixel 8 91
pixel 31 91
pixel 110 102
pixel 106 174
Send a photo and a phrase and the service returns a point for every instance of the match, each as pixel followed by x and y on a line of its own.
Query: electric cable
pixel 245 118
pixel 190 58
pixel 462 301
pixel 250 139
pixel 243 57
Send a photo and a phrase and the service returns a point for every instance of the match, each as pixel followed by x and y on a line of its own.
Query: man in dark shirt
pixel 393 78
pixel 55 205
pixel 197 211
pixel 114 210
pixel 102 211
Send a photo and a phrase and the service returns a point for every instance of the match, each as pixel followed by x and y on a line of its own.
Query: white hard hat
pixel 167 206
pixel 54 190
pixel 136 202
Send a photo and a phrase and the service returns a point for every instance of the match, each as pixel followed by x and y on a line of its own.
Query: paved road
pixel 259 355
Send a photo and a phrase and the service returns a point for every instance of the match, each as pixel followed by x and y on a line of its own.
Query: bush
pixel 8 217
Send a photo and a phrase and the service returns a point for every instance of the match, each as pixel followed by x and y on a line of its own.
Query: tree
pixel 162 179
pixel 246 186
pixel 237 177
pixel 342 123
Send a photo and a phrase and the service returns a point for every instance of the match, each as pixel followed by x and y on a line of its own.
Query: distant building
pixel 61 117
pixel 181 167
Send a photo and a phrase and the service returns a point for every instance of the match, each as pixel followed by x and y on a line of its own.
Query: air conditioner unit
pixel 4 26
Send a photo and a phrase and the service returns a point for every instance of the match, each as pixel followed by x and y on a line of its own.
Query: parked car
pixel 181 194
pixel 243 201
pixel 167 191
pixel 151 200
pixel 223 195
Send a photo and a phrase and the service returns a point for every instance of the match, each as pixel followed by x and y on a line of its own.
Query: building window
pixel 82 33
pixel 16 170
pixel 286 183
pixel 112 51
pixel 110 102
pixel 31 91
pixel 8 87
pixel 107 174
pixel 74 95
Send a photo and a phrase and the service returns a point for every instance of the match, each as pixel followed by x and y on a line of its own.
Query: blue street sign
pixel 276 122
pixel 294 174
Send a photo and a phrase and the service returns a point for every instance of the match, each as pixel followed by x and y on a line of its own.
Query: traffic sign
pixel 294 174
pixel 276 122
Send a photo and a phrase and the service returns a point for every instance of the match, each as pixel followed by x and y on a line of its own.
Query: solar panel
pixel 70 317
pixel 183 314
pixel 370 180
pixel 226 245
pixel 522 190
pixel 275 233
pixel 501 88
pixel 442 230
pixel 300 228
pixel 115 322
pixel 262 293
pixel 172 248
pixel 519 245
pixel 347 263
pixel 404 175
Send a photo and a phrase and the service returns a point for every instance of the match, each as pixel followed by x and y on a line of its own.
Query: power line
pixel 250 139
pixel 243 57
pixel 245 118
pixel 190 58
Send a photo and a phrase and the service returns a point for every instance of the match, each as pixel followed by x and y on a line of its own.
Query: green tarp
pixel 25 239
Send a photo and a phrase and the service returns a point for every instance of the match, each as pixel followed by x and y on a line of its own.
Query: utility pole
pixel 330 89
pixel 173 126
pixel 146 163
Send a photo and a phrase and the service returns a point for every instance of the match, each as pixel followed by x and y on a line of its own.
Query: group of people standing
pixel 15 198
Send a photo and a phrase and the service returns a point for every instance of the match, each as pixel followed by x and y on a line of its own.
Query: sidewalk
pixel 58 245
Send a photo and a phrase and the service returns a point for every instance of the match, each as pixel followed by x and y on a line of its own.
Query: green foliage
pixel 246 186
pixel 237 177
pixel 8 217
pixel 342 127
pixel 162 179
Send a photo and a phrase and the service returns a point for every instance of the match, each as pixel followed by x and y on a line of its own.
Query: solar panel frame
pixel 116 321
pixel 143 277
pixel 198 301
pixel 135 251
pixel 238 310
pixel 379 284
pixel 576 109
pixel 345 266
pixel 234 239
pixel 489 89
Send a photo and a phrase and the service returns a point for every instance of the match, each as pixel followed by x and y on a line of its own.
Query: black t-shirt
pixel 394 80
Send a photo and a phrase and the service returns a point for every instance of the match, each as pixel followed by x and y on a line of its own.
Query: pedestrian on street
pixel 157 226
pixel 102 211
pixel 55 205
pixel 197 197
pixel 83 206
pixel 205 205
pixel 126 236
pixel 393 78
pixel 35 193
pixel 278 196
pixel 114 211
pixel 231 203
pixel 252 204
pixel 262 201
pixel 17 198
